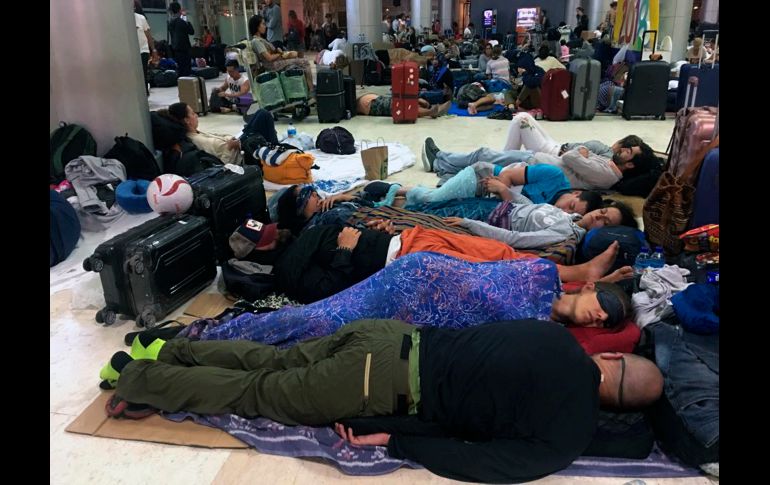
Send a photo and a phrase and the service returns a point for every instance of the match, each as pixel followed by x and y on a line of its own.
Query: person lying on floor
pixel 583 168
pixel 389 383
pixel 379 105
pixel 225 147
pixel 536 226
pixel 534 184
pixel 334 59
pixel 327 259
pixel 234 93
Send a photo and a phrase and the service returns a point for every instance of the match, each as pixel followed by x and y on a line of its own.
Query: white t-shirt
pixel 499 68
pixel 338 45
pixel 330 56
pixel 141 27
pixel 234 85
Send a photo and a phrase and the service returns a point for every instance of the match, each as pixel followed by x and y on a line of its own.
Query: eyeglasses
pixel 622 377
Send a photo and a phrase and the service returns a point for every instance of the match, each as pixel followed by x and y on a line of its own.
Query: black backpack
pixel 166 132
pixel 336 140
pixel 68 142
pixel 188 159
pixel 250 287
pixel 596 241
pixel 139 161
pixel 552 34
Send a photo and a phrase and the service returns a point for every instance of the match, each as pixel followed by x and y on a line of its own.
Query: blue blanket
pixel 454 110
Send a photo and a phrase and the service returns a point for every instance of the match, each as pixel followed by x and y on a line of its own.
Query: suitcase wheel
pixel 203 202
pixel 300 112
pixel 137 266
pixel 93 263
pixel 146 319
pixel 105 316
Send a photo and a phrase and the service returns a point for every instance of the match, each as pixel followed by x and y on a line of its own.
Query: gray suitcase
pixel 192 90
pixel 586 74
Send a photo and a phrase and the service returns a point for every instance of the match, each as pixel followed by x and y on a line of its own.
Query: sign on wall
pixel 632 19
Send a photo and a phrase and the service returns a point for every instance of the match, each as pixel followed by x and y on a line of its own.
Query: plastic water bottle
pixel 642 261
pixel 292 131
pixel 657 260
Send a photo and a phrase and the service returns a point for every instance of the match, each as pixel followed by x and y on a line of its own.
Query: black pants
pixel 145 60
pixel 183 59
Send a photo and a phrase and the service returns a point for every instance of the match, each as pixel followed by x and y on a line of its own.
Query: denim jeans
pixel 448 164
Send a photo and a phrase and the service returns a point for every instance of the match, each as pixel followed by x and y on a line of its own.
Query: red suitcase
pixel 406 87
pixel 693 129
pixel 555 96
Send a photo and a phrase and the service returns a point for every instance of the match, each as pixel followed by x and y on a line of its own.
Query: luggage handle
pixel 716 48
pixel 654 42
pixel 692 81
pixel 376 142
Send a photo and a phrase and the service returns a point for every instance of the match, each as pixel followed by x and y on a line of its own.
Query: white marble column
pixel 446 14
pixel 364 20
pixel 675 16
pixel 421 15
pixel 96 77
pixel 710 11
pixel 569 12
pixel 595 9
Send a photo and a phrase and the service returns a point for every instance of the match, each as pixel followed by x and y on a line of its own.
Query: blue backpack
pixel 598 240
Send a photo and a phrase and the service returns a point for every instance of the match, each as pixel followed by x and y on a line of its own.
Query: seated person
pixel 580 162
pixel 485 57
pixel 531 76
pixel 546 61
pixel 441 78
pixel 234 93
pixel 442 300
pixel 339 43
pixel 326 259
pixel 612 88
pixel 564 51
pixel 273 58
pixel 534 226
pixel 697 52
pixel 415 402
pixel 498 67
pixel 379 105
pixel 225 147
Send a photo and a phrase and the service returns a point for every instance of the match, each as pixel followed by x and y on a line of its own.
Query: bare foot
pixel 598 267
pixel 619 274
pixel 434 111
pixel 472 109
pixel 443 109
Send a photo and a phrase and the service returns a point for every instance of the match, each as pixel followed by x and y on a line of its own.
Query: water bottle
pixel 657 260
pixel 642 261
pixel 292 131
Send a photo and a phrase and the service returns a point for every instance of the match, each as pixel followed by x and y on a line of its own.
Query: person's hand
pixel 327 203
pixel 583 151
pixel 453 221
pixel 221 94
pixel 382 225
pixel 348 238
pixel 233 144
pixel 375 439
pixel 493 185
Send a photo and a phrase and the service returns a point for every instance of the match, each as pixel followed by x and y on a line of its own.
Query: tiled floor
pixel 79 346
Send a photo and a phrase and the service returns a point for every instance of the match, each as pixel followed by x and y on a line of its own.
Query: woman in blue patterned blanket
pixel 435 290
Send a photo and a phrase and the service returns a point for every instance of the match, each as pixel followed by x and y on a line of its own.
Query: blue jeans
pixel 448 164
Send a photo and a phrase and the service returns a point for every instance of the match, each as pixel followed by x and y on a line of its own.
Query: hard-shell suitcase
pixel 405 87
pixel 107 260
pixel 192 90
pixel 350 95
pixel 226 199
pixel 693 128
pixel 555 94
pixel 584 92
pixel 167 268
pixel 708 82
pixel 646 90
pixel 330 95
pixel 706 205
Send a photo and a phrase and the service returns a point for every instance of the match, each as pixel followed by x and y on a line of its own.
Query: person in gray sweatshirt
pixel 535 226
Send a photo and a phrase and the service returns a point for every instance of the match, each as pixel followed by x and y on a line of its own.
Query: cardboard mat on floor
pixel 94 421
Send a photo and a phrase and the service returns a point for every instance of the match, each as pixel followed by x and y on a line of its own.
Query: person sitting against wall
pixel 273 58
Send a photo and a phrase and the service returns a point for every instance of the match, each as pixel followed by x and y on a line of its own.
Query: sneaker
pixel 505 114
pixel 150 352
pixel 429 152
pixel 117 407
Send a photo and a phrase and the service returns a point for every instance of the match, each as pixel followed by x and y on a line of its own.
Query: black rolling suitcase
pixel 350 95
pixel 647 87
pixel 330 95
pixel 180 262
pixel 167 268
pixel 226 199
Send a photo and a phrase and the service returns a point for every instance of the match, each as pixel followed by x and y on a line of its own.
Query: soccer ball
pixel 170 194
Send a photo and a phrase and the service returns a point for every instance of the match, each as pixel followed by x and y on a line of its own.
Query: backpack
pixel 251 287
pixel 247 54
pixel 164 79
pixel 186 159
pixel 139 161
pixel 336 140
pixel 640 185
pixel 468 94
pixel 596 241
pixel 166 132
pixel 68 142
